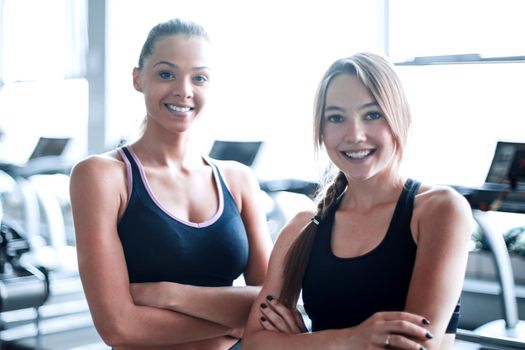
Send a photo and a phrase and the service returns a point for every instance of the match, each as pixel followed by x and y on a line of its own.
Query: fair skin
pixel 359 142
pixel 174 81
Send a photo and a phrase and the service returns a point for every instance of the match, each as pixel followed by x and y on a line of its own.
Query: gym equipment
pixel 284 197
pixel 503 190
pixel 41 296
pixel 46 158
pixel 21 284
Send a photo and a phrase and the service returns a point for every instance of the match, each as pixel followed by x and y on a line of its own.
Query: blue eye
pixel 166 75
pixel 373 116
pixel 200 79
pixel 334 118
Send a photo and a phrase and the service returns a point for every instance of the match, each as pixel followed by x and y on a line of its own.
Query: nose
pixel 355 131
pixel 183 88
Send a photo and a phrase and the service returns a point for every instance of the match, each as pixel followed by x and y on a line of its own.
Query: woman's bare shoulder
pixel 285 240
pixel 98 165
pixel 441 198
pixel 238 177
pixel 233 169
pixel 293 229
pixel 442 208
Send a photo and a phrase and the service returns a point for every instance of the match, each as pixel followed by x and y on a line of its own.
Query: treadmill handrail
pixel 500 255
pixel 496 343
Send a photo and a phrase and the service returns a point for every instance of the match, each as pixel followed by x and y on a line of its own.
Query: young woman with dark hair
pixel 163 231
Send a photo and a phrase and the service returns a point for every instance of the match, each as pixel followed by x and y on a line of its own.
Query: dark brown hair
pixel 171 27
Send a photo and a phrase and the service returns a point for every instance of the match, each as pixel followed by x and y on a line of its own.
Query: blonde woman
pixel 381 261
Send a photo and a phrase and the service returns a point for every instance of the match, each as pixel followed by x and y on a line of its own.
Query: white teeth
pixel 178 109
pixel 358 154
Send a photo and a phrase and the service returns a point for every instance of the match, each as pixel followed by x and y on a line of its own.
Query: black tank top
pixel 160 247
pixel 343 292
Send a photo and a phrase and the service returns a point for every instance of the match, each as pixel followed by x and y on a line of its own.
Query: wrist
pixel 341 338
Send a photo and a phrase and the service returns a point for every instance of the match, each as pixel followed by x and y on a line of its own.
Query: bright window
pixel 450 27
pixel 42 65
pixel 460 110
pixel 43 40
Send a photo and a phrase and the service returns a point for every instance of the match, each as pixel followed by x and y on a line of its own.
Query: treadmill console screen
pixel 508 164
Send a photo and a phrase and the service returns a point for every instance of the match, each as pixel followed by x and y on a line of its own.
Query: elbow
pixel 113 333
pixel 110 336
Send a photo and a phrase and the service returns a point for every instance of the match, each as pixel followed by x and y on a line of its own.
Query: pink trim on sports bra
pixel 129 173
pixel 161 207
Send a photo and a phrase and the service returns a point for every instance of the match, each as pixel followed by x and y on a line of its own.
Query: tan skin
pixel 441 226
pixel 126 316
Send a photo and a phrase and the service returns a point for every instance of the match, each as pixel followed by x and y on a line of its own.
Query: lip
pixel 361 149
pixel 358 155
pixel 178 108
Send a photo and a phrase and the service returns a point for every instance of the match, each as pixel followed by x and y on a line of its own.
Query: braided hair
pixel 297 256
pixel 378 75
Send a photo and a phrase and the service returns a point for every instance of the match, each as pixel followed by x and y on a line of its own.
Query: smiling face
pixel 356 135
pixel 174 80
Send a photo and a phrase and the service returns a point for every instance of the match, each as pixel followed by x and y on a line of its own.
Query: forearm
pixel 149 326
pixel 262 339
pixel 227 306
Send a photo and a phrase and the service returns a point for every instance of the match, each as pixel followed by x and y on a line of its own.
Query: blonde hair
pixel 378 75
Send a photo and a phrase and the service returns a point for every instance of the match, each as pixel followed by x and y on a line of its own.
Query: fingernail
pixel 429 335
pixel 425 321
pixel 263 318
pixel 269 297
pixel 264 306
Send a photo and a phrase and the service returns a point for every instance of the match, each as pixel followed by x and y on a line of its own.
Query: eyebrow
pixel 339 109
pixel 369 104
pixel 173 65
pixel 333 108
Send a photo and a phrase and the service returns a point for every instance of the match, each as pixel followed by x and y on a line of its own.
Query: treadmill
pixel 503 191
pixel 504 187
